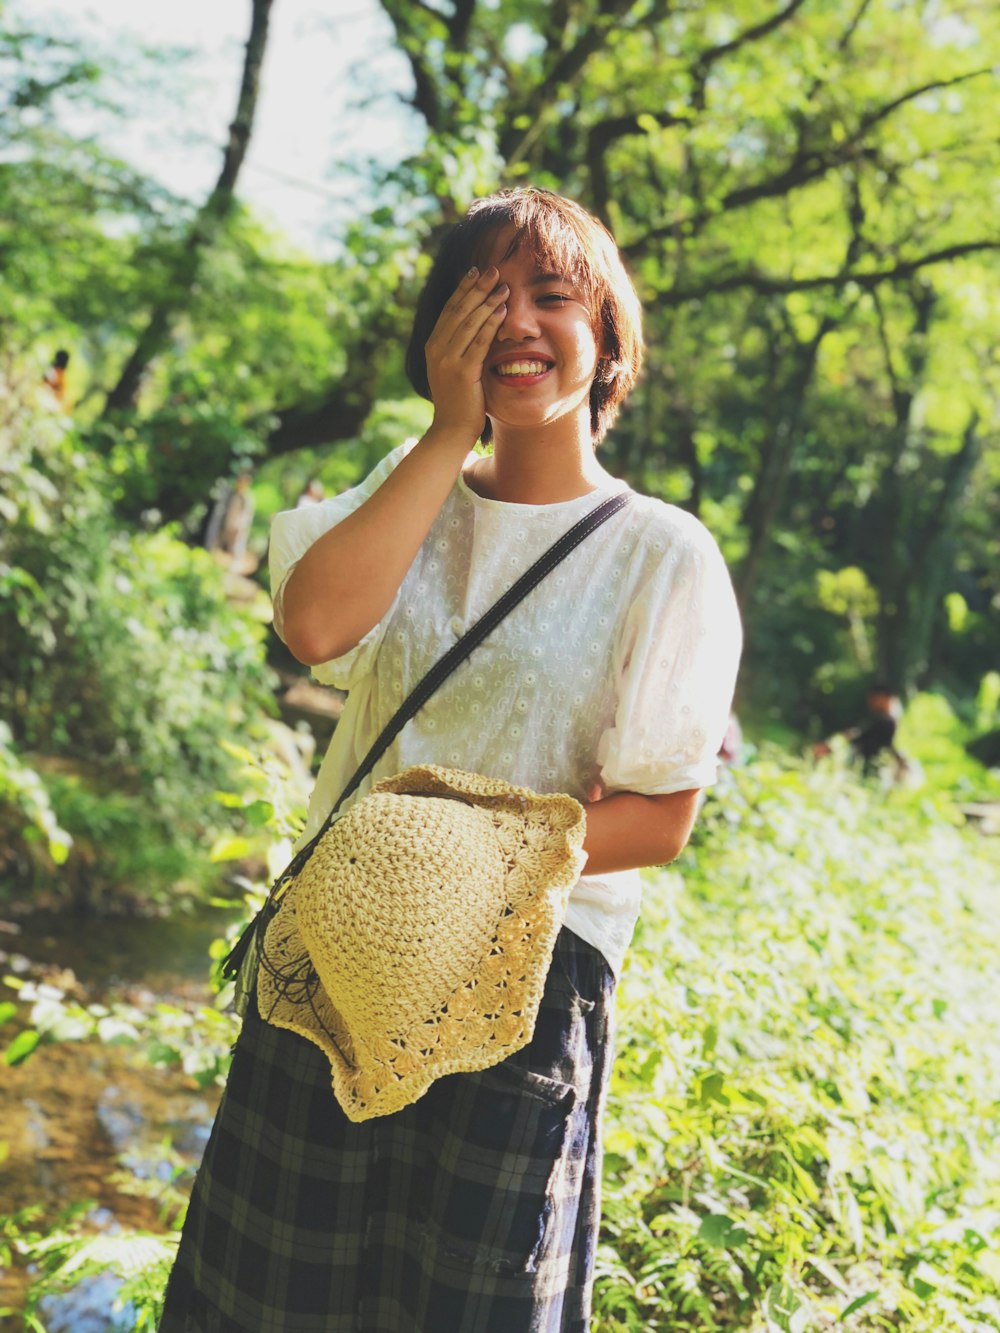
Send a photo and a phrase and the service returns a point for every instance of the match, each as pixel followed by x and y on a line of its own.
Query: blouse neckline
pixel 611 487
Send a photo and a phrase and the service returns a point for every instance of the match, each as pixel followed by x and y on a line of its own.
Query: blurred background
pixel 214 222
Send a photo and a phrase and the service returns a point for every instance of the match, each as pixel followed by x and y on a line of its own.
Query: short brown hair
pixel 565 237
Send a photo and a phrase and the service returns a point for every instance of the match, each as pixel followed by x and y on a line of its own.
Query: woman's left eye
pixel 558 298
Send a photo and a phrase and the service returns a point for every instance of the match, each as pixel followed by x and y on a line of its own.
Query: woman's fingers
pixel 462 317
pixel 468 334
pixel 467 322
pixel 464 299
pixel 488 330
pixel 456 350
pixel 483 316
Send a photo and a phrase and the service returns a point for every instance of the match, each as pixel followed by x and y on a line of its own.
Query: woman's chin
pixel 526 416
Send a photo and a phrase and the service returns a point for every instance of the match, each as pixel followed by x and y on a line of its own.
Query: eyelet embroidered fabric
pixel 416 940
pixel 616 673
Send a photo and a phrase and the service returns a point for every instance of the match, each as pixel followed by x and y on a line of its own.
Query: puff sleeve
pixel 675 666
pixel 292 533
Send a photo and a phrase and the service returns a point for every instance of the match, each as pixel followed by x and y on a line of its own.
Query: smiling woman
pixel 475 1208
pixel 557 256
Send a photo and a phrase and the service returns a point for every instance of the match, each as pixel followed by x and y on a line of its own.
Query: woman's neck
pixel 534 467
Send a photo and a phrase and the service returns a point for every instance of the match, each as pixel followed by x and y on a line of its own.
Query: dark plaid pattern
pixel 475 1210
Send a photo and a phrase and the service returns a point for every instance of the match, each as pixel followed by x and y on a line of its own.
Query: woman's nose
pixel 521 320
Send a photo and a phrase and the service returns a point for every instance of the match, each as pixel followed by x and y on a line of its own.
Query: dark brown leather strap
pixel 474 636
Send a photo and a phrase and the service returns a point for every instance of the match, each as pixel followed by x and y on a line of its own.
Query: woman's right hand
pixel 456 352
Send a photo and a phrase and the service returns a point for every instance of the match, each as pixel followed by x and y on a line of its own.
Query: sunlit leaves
pixel 804 1102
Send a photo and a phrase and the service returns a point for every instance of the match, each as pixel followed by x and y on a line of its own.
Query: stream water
pixel 74 1114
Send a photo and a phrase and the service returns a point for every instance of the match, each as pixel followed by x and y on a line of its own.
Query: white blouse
pixel 615 674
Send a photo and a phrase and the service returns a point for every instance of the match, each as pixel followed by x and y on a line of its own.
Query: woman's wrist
pixel 627 830
pixel 451 437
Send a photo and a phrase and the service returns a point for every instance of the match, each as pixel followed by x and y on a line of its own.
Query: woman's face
pixel 542 362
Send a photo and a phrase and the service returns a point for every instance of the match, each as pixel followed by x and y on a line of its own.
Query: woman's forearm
pixel 627 830
pixel 345 582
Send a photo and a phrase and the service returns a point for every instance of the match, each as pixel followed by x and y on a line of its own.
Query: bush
pixel 804 1109
pixel 28 823
pixel 125 668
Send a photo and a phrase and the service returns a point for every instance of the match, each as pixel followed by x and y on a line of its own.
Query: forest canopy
pixel 805 195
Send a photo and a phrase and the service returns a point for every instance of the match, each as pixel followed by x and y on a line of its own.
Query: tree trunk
pixel 894 505
pixel 212 214
pixel 344 407
pixel 905 638
pixel 768 494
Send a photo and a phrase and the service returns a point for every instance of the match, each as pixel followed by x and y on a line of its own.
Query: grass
pixel 807 1095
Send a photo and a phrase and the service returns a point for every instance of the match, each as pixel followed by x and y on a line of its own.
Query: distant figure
pixel 229 524
pixel 312 495
pixel 731 750
pixel 877 735
pixel 55 376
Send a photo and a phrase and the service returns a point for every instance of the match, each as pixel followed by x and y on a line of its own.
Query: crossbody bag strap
pixel 474 636
pixel 427 686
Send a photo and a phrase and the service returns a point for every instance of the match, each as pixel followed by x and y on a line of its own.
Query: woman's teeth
pixel 521 368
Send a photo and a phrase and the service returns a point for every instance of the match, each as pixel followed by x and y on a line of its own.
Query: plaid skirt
pixel 475 1210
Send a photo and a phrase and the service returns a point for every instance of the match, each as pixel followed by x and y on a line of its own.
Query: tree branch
pixel 845 40
pixel 425 93
pixel 853 26
pixel 702 66
pixel 880 113
pixel 206 224
pixel 345 405
pixel 805 166
pixel 768 285
pixel 765 500
pixel 606 132
pixel 460 23
pixel 900 402
pixel 560 66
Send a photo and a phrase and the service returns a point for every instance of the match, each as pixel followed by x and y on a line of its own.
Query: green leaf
pixel 858 1304
pixel 160 1053
pixel 22 1046
pixel 721 1232
pixel 259 813
pixel 713 1089
pixel 230 849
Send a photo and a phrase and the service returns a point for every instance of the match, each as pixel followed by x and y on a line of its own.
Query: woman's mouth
pixel 520 370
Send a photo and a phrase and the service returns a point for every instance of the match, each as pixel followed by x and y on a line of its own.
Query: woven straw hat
pixel 416 940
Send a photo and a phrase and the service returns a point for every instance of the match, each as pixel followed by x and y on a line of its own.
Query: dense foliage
pixel 804 1111
pixel 125 668
pixel 804 196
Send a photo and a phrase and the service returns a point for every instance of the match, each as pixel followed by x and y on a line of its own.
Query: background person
pixel 876 737
pixel 230 520
pixel 55 377
pixel 312 494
